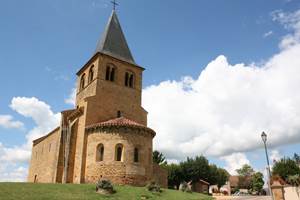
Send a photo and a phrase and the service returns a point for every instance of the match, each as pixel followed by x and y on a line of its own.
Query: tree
pixel 257 182
pixel 297 158
pixel 195 169
pixel 286 167
pixel 245 173
pixel 175 176
pixel 222 177
pixel 246 170
pixel 213 175
pixel 159 158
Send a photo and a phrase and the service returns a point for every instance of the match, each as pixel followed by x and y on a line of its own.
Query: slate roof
pixel 113 42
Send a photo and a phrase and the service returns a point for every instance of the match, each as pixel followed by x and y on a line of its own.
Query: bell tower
pixel 110 83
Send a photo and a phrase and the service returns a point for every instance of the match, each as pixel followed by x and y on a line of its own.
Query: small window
pixel 107 75
pixel 119 152
pixel 91 74
pixel 100 153
pixel 119 114
pixel 136 155
pixel 49 147
pixel 82 82
pixel 129 79
pixel 110 73
pixel 126 79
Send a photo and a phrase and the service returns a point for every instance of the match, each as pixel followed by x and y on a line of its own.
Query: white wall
pixel 291 193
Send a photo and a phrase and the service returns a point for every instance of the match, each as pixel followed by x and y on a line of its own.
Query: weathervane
pixel 114 4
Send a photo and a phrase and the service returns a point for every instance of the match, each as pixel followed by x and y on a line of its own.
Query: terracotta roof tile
pixel 122 121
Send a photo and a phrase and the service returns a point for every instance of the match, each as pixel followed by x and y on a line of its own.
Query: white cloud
pixel 40 112
pixel 267 34
pixel 225 109
pixel 45 120
pixel 291 21
pixel 7 121
pixel 13 173
pixel 235 161
pixel 72 97
pixel 275 156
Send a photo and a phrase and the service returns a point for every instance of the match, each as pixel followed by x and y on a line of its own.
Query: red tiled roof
pixel 121 121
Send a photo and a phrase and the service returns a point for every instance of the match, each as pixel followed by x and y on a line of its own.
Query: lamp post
pixel 264 139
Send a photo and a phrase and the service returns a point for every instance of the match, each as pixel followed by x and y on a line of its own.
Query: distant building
pixel 106 134
pixel 200 186
pixel 233 182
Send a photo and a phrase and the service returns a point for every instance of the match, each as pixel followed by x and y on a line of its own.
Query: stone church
pixel 106 134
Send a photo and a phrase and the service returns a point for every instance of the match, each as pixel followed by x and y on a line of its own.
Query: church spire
pixel 113 41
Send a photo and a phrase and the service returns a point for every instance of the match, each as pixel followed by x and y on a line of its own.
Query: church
pixel 106 135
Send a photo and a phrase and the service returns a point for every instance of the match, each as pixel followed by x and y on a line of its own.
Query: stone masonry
pixel 106 134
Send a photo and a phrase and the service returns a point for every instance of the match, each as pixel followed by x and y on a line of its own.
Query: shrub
pixel 294 180
pixel 153 187
pixel 104 186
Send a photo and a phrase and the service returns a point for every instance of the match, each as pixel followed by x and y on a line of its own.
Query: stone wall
pixel 160 176
pixel 291 193
pixel 79 157
pixel 285 192
pixel 106 98
pixel 119 172
pixel 44 158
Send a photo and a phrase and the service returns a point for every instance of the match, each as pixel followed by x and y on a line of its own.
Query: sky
pixel 218 73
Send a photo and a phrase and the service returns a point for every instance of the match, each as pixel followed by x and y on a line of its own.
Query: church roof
pixel 113 42
pixel 119 122
pixel 38 140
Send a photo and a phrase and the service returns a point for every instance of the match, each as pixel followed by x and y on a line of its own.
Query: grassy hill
pixel 28 191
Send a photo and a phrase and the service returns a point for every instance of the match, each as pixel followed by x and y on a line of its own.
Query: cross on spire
pixel 114 4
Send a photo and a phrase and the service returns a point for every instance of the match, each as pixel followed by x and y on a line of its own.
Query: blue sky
pixel 44 43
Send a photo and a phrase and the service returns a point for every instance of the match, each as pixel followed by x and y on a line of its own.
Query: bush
pixel 104 186
pixel 153 187
pixel 294 180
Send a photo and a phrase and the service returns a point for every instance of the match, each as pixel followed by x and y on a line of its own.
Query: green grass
pixel 29 191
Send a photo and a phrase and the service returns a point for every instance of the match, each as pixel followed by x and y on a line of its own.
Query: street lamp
pixel 264 139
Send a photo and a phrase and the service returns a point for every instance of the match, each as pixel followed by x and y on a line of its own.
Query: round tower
pixel 119 150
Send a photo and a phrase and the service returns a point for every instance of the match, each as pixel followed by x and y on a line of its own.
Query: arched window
pixel 136 155
pixel 100 153
pixel 126 79
pixel 82 82
pixel 91 74
pixel 119 114
pixel 129 79
pixel 110 73
pixel 107 75
pixel 119 152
